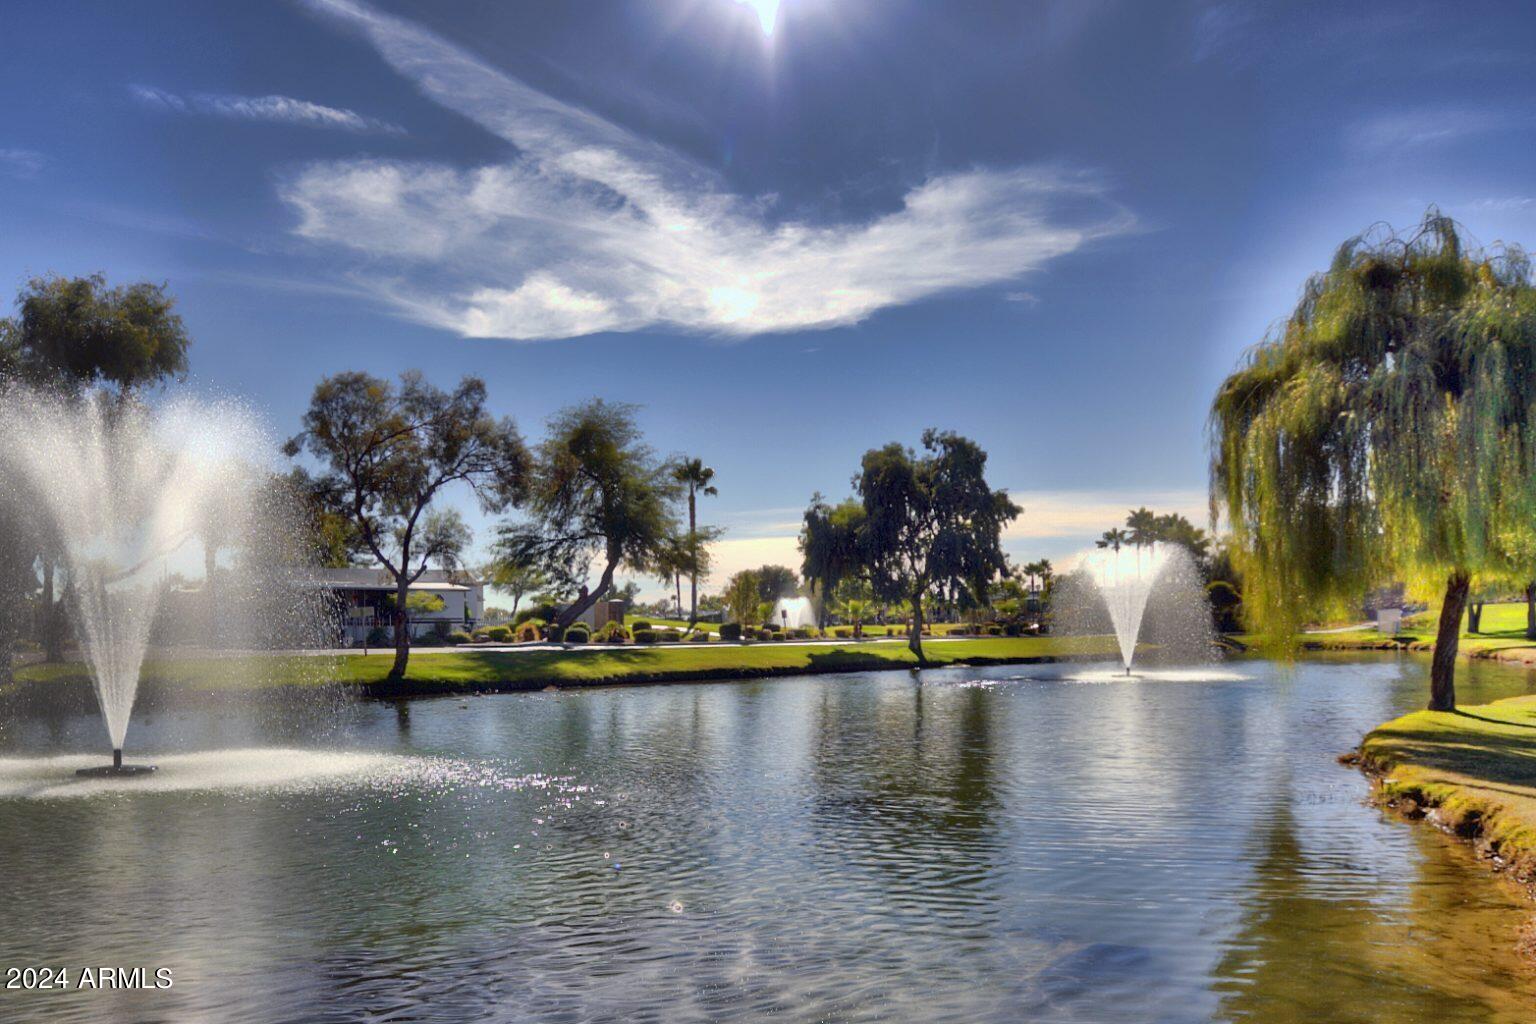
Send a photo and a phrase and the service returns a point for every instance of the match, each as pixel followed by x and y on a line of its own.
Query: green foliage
pixel 76 332
pixel 500 634
pixel 928 527
pixel 645 636
pixel 776 581
pixel 598 494
pixel 742 597
pixel 730 631
pixel 611 633
pixel 458 637
pixel 378 636
pixel 528 632
pixel 1386 431
pixel 576 635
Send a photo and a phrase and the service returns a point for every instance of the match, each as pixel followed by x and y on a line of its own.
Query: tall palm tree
pixel 1114 539
pixel 693 474
pixel 1143 526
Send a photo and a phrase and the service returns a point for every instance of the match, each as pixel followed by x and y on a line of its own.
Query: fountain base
pixel 115 769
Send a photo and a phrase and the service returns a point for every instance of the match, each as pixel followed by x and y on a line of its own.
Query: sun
pixel 767 13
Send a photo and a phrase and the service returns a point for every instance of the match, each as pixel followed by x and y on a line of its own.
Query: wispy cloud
pixel 1431 126
pixel 278 109
pixel 592 228
pixel 21 163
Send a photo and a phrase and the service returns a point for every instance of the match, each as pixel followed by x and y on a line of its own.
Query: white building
pixel 365 601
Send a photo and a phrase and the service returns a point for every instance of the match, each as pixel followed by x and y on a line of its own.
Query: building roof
pixel 380 579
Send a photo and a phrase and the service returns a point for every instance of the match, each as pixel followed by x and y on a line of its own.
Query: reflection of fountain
pixel 1131 586
pixel 795 612
pixel 122 493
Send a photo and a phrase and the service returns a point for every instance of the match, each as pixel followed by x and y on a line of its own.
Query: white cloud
pixel 21 163
pixel 592 228
pixel 1429 127
pixel 280 109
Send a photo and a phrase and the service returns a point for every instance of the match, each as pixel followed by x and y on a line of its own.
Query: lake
pixel 1027 843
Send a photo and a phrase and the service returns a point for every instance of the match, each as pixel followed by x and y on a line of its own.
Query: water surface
pixel 969 845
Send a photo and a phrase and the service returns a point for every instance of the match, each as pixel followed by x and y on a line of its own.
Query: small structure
pixel 601 613
pixel 364 599
pixel 1389 621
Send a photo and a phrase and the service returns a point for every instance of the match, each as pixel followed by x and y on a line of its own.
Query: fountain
pixel 1152 590
pixel 795 612
pixel 132 500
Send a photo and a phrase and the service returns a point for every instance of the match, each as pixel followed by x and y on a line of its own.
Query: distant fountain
pixel 1137 591
pixel 133 501
pixel 795 612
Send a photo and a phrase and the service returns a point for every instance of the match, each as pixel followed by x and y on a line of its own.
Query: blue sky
pixel 1050 226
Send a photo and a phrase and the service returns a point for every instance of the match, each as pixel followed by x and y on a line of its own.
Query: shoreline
pixel 1467 774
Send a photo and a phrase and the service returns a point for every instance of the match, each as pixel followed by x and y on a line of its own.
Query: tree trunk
pixel 1475 617
pixel 677 581
pixel 915 641
pixel 1442 669
pixel 402 630
pixel 1530 611
pixel 574 610
pixel 48 623
pixel 210 557
pixel 693 551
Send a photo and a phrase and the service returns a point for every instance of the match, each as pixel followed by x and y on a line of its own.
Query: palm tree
pixel 854 609
pixel 1143 526
pixel 693 474
pixel 1114 539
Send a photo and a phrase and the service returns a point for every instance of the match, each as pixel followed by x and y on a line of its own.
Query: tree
pixel 391 452
pixel 1143 528
pixel 1115 539
pixel 697 477
pixel 931 526
pixel 598 493
pixel 829 545
pixel 511 576
pixel 1386 432
pixel 776 581
pixel 71 333
pixel 741 598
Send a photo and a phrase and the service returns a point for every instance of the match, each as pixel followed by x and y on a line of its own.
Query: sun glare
pixel 767 13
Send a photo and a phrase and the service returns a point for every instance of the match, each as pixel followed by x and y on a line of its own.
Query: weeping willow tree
pixel 1386 432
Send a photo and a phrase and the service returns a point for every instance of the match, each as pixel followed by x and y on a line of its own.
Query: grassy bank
pixel 1502 636
pixel 454 671
pixel 1473 771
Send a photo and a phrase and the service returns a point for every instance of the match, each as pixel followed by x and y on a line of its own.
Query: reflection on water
pixel 966 845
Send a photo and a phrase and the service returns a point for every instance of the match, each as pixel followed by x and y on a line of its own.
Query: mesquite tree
pixel 392 451
pixel 1387 431
pixel 931 526
pixel 598 495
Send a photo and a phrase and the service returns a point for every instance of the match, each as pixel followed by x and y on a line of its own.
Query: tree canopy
pixel 75 332
pixel 390 452
pixel 598 494
pixel 925 526
pixel 1385 431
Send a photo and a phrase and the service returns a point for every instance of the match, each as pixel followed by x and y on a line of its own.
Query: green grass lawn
pixel 1503 628
pixel 1475 766
pixel 456 670
pixel 713 628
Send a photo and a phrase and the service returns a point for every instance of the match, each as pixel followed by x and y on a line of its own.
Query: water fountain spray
pixel 125 493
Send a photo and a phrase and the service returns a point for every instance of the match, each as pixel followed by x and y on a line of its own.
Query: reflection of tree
pixel 906 794
pixel 1311 946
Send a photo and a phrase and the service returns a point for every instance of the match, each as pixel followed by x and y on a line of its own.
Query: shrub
pixel 994 631
pixel 612 633
pixel 530 630
pixel 645 636
pixel 378 636
pixel 767 634
pixel 427 640
pixel 803 633
pixel 699 636
pixel 499 634
pixel 1012 629
pixel 543 612
pixel 577 635
pixel 640 624
pixel 668 636
pixel 458 637
pixel 842 632
pixel 730 631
